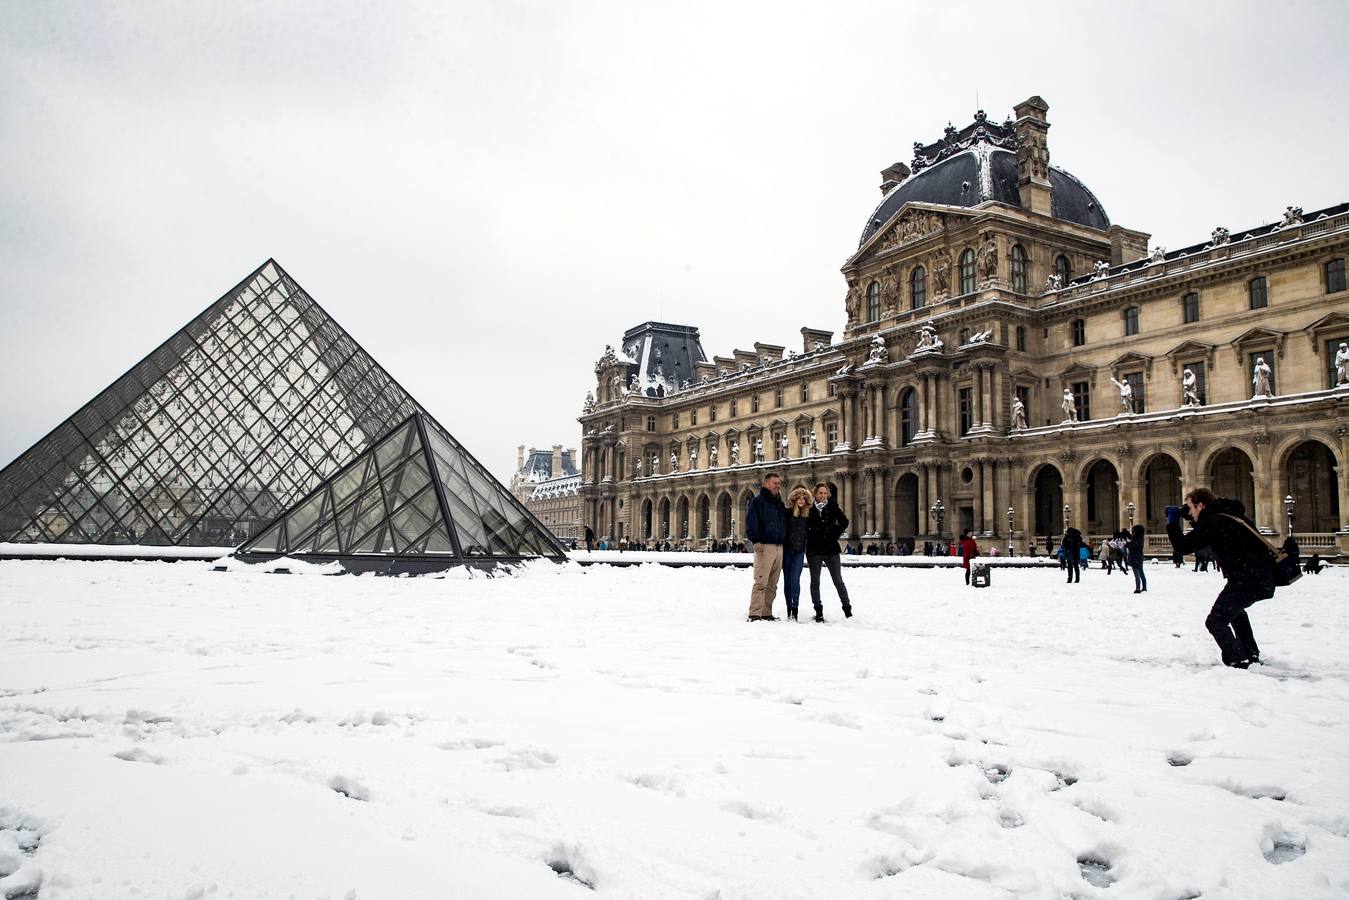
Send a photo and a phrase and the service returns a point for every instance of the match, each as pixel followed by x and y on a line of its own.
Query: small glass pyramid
pixel 415 501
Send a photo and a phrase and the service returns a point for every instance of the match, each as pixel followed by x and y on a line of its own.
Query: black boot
pixel 847 610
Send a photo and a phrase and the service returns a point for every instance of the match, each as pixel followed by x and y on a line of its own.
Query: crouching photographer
pixel 1220 525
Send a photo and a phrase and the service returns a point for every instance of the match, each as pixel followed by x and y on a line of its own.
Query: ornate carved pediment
pixel 1257 337
pixel 1189 350
pixel 1078 372
pixel 1326 325
pixel 1132 360
pixel 803 419
pixel 913 225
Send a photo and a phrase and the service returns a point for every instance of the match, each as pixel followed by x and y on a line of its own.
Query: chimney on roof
pixel 520 458
pixel 557 461
pixel 1032 156
pixel 893 176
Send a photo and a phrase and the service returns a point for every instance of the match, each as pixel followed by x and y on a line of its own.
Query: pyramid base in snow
pixel 414 502
pixel 381 565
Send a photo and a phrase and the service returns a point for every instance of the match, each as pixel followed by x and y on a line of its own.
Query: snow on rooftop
pixel 190 733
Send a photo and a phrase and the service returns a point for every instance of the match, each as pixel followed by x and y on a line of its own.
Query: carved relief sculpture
pixel 941 272
pixel 988 257
pixel 927 340
pixel 878 352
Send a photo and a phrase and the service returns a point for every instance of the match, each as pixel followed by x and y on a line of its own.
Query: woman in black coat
pixel 1135 554
pixel 827 524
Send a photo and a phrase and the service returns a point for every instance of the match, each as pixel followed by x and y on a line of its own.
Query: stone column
pixel 923 501
pixel 1267 514
pixel 923 403
pixel 855 525
pixel 886 498
pixel 978 411
pixel 979 526
pixel 883 429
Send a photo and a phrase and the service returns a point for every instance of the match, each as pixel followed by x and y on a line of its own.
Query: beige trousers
pixel 767 569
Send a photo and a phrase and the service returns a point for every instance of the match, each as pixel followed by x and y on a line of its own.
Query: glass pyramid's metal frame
pixel 414 502
pixel 218 431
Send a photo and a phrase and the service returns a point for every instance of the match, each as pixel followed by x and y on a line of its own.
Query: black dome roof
pixel 980 173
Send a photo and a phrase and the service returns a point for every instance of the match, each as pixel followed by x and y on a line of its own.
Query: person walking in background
pixel 968 551
pixel 1072 553
pixel 827 523
pixel 1221 526
pixel 590 539
pixel 794 548
pixel 1135 553
pixel 766 528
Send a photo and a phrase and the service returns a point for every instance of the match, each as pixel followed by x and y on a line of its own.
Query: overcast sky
pixel 485 194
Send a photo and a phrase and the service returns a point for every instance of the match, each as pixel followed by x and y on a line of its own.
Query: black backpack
pixel 1283 565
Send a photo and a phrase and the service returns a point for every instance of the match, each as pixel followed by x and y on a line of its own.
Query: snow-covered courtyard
pixel 171 731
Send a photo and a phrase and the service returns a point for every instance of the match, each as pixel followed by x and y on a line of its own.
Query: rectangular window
pixel 693 417
pixel 1079 330
pixel 966 410
pixel 805 392
pixel 1259 289
pixel 674 421
pixel 1335 276
pixel 1200 380
pixel 1082 397
pixel 712 413
pixel 1135 381
pixel 803 438
pixel 1131 320
pixel 1191 305
pixel 1268 357
pixel 734 404
pixel 777 399
pixel 1021 338
pixel 1333 347
pixel 777 444
pixel 650 423
pixel 754 403
pixel 833 390
pixel 831 436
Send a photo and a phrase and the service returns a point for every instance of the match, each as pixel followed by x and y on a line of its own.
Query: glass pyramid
pixel 415 501
pixel 214 434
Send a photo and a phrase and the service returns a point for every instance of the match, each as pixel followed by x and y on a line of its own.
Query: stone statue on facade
pixel 1018 414
pixel 1069 407
pixel 1292 216
pixel 927 340
pixel 988 257
pixel 693 457
pixel 845 369
pixel 1126 396
pixel 819 345
pixel 878 352
pixel 655 464
pixel 980 337
pixel 853 303
pixel 1342 365
pixel 1260 379
pixel 589 403
pixel 758 450
pixel 1221 236
pixel 674 461
pixel 812 446
pixel 782 447
pixel 1158 254
pixel 633 384
pixel 637 467
pixel 735 453
pixel 941 272
pixel 1189 388
pixel 1100 269
pixel 712 457
pixel 1054 282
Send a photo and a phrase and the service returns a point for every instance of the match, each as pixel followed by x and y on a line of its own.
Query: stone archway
pixel 1103 510
pixel 1231 474
pixel 724 526
pixel 682 518
pixel 1161 488
pixel 747 496
pixel 646 520
pixel 906 507
pixel 1315 487
pixel 704 517
pixel 665 518
pixel 1048 489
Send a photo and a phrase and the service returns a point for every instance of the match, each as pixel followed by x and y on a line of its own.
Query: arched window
pixel 967 272
pixel 1063 269
pixel 918 288
pixel 874 302
pixel 908 416
pixel 1018 269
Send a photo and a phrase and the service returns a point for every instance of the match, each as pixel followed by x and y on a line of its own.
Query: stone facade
pixel 959 314
pixel 549 485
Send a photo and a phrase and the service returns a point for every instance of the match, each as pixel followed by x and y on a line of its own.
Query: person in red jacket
pixel 968 551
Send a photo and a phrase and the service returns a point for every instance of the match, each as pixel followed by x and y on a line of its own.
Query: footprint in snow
pixel 1256 792
pixel 136 754
pixel 1179 758
pixel 526 759
pixel 1096 871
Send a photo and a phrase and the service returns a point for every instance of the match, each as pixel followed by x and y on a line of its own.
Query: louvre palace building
pixel 1013 362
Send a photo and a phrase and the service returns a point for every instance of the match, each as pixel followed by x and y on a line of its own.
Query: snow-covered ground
pixel 170 731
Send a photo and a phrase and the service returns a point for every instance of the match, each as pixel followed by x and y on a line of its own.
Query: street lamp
pixel 1067 511
pixel 1288 504
pixel 1011 514
pixel 939 513
pixel 1131 509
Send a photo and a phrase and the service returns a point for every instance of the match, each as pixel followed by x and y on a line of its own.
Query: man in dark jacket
pixel 1221 526
pixel 826 525
pixel 766 527
pixel 1072 553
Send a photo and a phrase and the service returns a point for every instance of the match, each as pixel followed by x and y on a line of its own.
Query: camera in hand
pixel 1178 512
